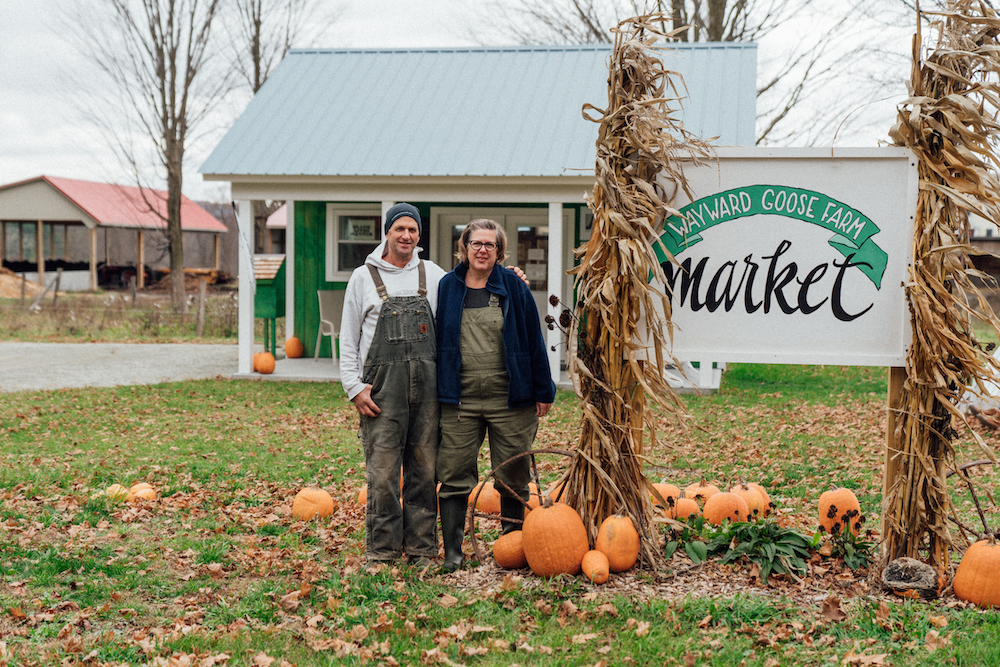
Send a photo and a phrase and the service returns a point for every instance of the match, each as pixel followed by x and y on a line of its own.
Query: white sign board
pixel 794 256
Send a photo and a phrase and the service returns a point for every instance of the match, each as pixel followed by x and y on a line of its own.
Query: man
pixel 387 360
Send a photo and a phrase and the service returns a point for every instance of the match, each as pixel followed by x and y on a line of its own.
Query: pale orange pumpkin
pixel 666 491
pixel 363 495
pixel 145 493
pixel 595 566
pixel 755 501
pixel 554 539
pixel 701 491
pixel 724 505
pixel 618 539
pixel 763 494
pixel 840 509
pixel 508 551
pixel 684 508
pixel 978 577
pixel 293 348
pixel 265 363
pixel 489 498
pixel 139 486
pixel 311 502
pixel 116 492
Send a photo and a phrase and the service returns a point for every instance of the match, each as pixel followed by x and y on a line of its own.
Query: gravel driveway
pixel 33 366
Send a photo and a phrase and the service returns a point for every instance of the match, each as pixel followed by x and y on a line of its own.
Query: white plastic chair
pixel 331 307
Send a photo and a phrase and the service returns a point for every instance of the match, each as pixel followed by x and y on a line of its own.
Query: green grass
pixel 210 567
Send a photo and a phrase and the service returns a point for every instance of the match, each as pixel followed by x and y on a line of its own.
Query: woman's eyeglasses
pixel 489 246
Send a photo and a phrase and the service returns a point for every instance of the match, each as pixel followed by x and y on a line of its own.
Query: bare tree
pixel 806 47
pixel 260 34
pixel 154 54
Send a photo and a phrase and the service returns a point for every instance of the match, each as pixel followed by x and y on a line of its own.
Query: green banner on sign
pixel 852 230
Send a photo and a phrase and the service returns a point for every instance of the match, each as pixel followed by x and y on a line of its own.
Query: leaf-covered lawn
pixel 215 572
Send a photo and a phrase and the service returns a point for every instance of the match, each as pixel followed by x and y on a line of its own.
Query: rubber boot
pixel 511 508
pixel 453 531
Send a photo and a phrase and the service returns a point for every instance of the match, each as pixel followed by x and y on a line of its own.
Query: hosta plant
pixel 856 552
pixel 687 537
pixel 774 549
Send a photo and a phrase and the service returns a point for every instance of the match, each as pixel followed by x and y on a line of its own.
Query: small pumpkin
pixel 595 566
pixel 489 498
pixel 666 491
pixel 310 503
pixel 554 539
pixel 265 363
pixel 724 505
pixel 755 502
pixel 293 348
pixel 147 493
pixel 684 508
pixel 618 539
pixel 768 505
pixel 508 551
pixel 701 491
pixel 139 486
pixel 978 577
pixel 116 492
pixel 840 509
pixel 363 495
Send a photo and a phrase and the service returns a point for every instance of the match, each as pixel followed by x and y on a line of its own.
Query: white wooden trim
pixel 553 338
pixel 332 272
pixel 289 269
pixel 244 221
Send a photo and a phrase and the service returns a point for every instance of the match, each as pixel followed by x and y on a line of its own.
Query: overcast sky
pixel 43 130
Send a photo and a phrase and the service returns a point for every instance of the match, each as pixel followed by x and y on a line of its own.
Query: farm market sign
pixel 793 256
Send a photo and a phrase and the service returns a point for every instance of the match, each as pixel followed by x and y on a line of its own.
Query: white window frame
pixel 334 273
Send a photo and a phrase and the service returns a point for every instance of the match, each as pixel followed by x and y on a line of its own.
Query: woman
pixel 493 377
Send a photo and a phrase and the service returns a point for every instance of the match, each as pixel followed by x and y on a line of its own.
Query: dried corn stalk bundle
pixel 617 359
pixel 949 122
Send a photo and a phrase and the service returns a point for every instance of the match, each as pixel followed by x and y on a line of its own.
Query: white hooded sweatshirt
pixel 362 306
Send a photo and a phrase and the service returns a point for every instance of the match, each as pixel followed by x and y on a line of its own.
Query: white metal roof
pixel 492 111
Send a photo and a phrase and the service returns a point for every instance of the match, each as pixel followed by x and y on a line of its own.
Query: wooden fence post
pixel 202 287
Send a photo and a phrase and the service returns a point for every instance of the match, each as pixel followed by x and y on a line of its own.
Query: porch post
pixel 215 251
pixel 290 270
pixel 140 261
pixel 93 258
pixel 244 225
pixel 554 281
pixel 40 252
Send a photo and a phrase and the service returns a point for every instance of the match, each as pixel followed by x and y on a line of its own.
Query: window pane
pixel 352 255
pixel 359 228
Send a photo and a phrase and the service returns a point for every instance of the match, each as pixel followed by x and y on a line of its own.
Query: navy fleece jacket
pixel 524 344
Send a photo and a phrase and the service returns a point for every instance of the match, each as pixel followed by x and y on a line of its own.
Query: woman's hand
pixel 542 409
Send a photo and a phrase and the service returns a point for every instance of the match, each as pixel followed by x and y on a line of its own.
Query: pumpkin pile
pixel 554 541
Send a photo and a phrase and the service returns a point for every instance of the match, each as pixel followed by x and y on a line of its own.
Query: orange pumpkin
pixel 701 491
pixel 667 491
pixel 363 495
pixel 618 539
pixel 684 508
pixel 508 551
pixel 763 494
pixel 555 490
pixel 265 363
pixel 595 566
pixel 555 540
pixel 489 498
pixel 755 502
pixel 978 577
pixel 839 509
pixel 724 505
pixel 310 503
pixel 293 348
pixel 145 493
